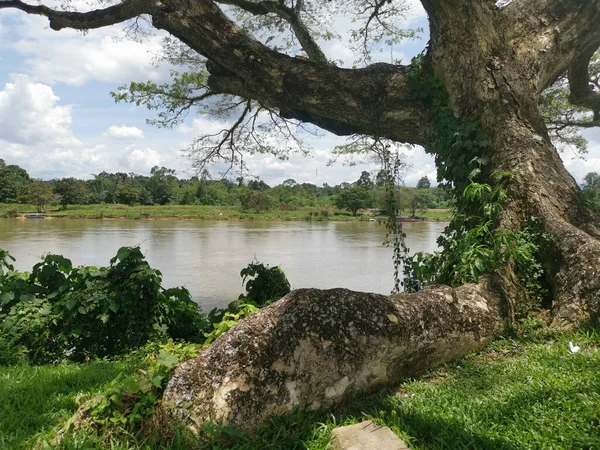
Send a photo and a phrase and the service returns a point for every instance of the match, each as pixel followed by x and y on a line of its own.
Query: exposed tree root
pixel 314 347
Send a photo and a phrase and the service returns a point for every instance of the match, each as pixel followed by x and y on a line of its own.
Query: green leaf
pixel 6 297
pixel 167 359
pixel 71 303
pixel 123 253
pixel 131 384
pixel 157 380
pixel 26 298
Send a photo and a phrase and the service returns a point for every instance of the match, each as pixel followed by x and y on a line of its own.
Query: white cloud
pixel 203 125
pixel 124 132
pixel 71 58
pixel 36 134
pixel 315 168
pixel 140 160
pixel 579 168
pixel 47 163
pixel 421 165
pixel 416 12
pixel 29 114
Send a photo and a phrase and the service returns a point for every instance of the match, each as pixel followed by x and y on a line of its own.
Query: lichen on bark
pixel 312 348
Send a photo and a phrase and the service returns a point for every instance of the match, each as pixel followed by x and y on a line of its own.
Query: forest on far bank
pixel 163 187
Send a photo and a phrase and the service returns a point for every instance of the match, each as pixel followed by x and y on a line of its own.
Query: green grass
pixel 108 211
pixel 437 215
pixel 35 399
pixel 516 394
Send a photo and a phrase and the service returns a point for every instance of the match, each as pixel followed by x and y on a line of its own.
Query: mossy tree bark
pixel 515 55
pixel 313 347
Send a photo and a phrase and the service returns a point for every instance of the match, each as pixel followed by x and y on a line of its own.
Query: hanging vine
pixel 472 243
pixel 392 165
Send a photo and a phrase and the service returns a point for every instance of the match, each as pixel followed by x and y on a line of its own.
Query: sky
pixel 57 118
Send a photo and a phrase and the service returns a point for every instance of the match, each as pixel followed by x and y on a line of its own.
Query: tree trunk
pixel 498 82
pixel 312 348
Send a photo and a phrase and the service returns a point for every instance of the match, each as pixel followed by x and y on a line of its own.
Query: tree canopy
pixel 424 183
pixel 353 199
pixel 263 54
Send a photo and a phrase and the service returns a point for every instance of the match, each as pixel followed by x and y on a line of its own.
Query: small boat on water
pixel 33 215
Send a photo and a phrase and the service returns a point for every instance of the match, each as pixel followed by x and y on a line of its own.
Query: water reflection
pixel 206 256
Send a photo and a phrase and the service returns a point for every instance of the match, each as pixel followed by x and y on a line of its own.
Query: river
pixel 207 256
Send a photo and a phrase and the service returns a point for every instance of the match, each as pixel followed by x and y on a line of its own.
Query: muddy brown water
pixel 207 256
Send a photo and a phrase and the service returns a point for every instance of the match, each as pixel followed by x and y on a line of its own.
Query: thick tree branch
pixel 290 15
pixel 374 100
pixel 87 20
pixel 581 92
pixel 552 34
pixel 557 125
pixel 313 348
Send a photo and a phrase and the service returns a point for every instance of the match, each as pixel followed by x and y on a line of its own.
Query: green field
pixel 188 212
pixel 519 393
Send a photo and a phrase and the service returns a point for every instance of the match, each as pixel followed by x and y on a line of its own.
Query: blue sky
pixel 57 118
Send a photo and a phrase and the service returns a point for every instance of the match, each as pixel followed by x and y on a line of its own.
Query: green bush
pixel 264 284
pixel 11 354
pixel 474 245
pixel 60 312
pixel 256 201
pixel 11 213
pixel 128 400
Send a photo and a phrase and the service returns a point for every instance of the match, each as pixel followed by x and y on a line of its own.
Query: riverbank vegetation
pixel 204 212
pixel 163 194
pixel 71 378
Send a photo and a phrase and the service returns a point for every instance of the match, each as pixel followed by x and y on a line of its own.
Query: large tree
pixel 473 100
pixel 71 191
pixel 353 199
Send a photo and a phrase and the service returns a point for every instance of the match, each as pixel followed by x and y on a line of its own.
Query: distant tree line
pixel 163 187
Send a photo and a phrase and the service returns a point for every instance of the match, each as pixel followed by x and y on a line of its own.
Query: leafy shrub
pixel 473 245
pixel 181 317
pixel 60 312
pixel 11 213
pixel 11 354
pixel 127 401
pixel 264 285
pixel 257 201
pixel 228 320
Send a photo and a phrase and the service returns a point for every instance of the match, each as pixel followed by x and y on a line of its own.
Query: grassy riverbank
pixel 189 212
pixel 520 392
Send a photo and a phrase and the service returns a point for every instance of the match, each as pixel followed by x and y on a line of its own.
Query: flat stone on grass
pixel 366 436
